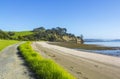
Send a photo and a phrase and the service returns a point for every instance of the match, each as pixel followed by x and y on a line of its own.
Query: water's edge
pixel 115 53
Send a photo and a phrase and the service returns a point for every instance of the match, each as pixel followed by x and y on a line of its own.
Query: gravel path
pixel 83 65
pixel 12 66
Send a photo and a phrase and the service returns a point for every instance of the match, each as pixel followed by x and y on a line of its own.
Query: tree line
pixel 41 33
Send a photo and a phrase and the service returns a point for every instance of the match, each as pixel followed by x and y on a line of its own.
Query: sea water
pixel 110 44
pixel 105 52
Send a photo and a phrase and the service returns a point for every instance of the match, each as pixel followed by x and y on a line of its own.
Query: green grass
pixel 81 46
pixel 22 33
pixel 43 68
pixel 5 43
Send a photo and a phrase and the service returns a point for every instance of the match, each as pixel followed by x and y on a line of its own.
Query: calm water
pixel 105 52
pixel 110 44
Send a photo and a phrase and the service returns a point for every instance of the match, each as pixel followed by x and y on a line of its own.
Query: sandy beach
pixel 83 65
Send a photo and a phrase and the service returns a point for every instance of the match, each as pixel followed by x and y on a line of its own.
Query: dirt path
pixel 83 65
pixel 11 64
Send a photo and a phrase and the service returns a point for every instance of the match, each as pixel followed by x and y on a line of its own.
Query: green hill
pixel 21 33
pixel 41 33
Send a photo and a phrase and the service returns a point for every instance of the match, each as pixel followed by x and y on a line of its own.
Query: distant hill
pixel 101 40
pixel 40 33
pixel 117 40
pixel 94 40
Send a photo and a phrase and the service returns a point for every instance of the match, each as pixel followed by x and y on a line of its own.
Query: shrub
pixel 43 68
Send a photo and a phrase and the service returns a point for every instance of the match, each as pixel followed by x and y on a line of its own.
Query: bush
pixel 44 68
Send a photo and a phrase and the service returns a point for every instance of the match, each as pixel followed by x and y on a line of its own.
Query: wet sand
pixel 83 65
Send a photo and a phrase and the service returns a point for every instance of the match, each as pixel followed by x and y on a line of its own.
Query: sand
pixel 83 65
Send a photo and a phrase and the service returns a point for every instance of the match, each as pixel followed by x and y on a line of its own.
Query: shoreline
pixel 99 49
pixel 114 53
pixel 83 46
pixel 83 65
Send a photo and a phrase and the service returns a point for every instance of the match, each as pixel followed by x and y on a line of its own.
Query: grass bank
pixel 5 43
pixel 81 46
pixel 22 33
pixel 43 68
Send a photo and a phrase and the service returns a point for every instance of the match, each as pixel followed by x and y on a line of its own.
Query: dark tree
pixel 4 35
pixel 81 38
pixel 40 29
pixel 11 33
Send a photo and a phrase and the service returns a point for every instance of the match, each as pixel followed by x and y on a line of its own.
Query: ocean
pixel 110 44
pixel 115 53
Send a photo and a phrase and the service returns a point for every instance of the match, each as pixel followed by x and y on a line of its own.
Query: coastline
pixel 73 45
pixel 115 53
pixel 84 65
pixel 91 48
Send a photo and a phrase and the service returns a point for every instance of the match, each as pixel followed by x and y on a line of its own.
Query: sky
pixel 93 18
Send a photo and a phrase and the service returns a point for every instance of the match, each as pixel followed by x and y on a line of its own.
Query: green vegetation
pixel 4 35
pixel 20 34
pixel 44 68
pixel 5 43
pixel 54 34
pixel 81 46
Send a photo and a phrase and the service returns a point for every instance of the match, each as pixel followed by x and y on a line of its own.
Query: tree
pixel 40 29
pixel 81 38
pixel 20 38
pixel 61 31
pixel 40 33
pixel 11 33
pixel 4 35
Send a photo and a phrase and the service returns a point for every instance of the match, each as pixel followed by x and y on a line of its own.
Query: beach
pixel 83 65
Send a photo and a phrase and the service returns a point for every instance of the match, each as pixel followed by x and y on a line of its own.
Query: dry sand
pixel 83 65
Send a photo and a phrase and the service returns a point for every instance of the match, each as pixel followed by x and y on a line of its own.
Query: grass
pixel 81 46
pixel 22 33
pixel 5 43
pixel 43 68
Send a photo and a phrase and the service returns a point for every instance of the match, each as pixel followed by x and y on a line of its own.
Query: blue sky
pixel 92 18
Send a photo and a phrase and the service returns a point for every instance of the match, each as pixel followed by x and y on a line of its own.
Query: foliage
pixel 81 37
pixel 4 35
pixel 40 29
pixel 5 43
pixel 11 33
pixel 54 34
pixel 43 68
pixel 17 35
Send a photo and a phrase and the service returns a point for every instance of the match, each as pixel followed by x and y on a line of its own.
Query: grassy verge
pixel 5 43
pixel 81 46
pixel 43 68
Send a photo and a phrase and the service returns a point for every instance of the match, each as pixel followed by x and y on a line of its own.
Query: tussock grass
pixel 43 68
pixel 5 43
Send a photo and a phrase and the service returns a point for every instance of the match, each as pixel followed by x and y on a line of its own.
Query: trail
pixel 12 66
pixel 83 65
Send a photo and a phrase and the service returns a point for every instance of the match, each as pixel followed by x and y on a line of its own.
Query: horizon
pixel 98 19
